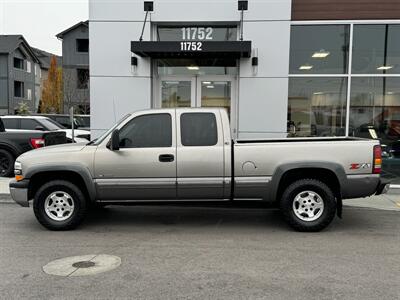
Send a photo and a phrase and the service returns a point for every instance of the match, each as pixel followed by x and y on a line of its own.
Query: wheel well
pixel 38 179
pixel 9 149
pixel 324 175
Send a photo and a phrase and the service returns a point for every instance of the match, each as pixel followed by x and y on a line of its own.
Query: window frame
pixel 77 47
pixel 198 113
pixel 22 96
pixel 349 75
pixel 171 119
pixel 23 63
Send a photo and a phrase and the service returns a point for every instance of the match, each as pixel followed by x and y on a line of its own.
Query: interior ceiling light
pixel 320 54
pixel 306 67
pixel 210 86
pixel 384 67
pixel 193 68
pixel 206 82
pixel 318 93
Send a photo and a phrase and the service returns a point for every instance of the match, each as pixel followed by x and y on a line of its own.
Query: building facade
pixel 75 64
pixel 292 68
pixel 19 74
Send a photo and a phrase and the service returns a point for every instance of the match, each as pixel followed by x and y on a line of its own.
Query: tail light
pixel 37 143
pixel 377 167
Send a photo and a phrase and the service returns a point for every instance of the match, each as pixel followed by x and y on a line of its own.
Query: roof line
pixel 61 34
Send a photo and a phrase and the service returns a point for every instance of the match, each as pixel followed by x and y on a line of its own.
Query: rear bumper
pixel 19 192
pixel 358 186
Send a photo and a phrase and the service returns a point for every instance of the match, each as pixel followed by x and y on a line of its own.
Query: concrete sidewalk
pixel 390 201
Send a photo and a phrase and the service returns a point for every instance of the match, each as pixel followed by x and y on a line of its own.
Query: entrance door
pixel 199 91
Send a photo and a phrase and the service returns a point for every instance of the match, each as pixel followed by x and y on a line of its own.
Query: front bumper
pixel 383 186
pixel 19 192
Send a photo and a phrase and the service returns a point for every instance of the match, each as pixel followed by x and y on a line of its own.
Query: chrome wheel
pixel 308 206
pixel 59 206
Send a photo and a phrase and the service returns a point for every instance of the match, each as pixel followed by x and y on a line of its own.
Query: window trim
pixel 76 46
pixel 192 113
pixel 23 64
pixel 23 89
pixel 349 73
pixel 171 119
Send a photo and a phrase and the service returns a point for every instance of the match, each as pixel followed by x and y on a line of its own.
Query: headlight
pixel 17 165
pixel 18 169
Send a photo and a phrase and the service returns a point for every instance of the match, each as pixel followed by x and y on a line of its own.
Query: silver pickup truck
pixel 188 155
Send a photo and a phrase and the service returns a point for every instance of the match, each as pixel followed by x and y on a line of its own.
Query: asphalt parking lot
pixel 199 253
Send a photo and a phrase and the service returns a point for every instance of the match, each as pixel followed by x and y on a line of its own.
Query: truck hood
pixel 63 148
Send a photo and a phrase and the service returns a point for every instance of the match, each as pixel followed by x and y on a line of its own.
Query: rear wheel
pixel 59 205
pixel 308 205
pixel 6 163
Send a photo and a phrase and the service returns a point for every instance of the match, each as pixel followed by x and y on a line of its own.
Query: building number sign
pixel 195 34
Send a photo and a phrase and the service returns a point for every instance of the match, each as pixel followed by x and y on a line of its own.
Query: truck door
pixel 144 168
pixel 200 155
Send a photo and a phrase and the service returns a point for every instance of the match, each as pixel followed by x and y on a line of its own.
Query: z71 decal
pixel 360 166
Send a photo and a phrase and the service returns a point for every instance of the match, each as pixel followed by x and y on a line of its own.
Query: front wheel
pixel 59 205
pixel 308 205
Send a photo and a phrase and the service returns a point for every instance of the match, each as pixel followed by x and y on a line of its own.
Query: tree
pixel 52 90
pixel 22 109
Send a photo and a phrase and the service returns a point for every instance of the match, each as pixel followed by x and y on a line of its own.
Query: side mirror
pixel 114 141
pixel 39 128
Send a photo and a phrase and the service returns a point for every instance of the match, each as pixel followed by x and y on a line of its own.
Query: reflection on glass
pixel 375 114
pixel 175 94
pixel 217 66
pixel 216 94
pixel 197 33
pixel 317 107
pixel 376 49
pixel 319 49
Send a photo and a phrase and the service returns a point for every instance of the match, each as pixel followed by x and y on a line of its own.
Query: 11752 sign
pixel 197 33
pixel 191 46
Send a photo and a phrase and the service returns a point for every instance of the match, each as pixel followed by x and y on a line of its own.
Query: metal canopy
pixel 192 49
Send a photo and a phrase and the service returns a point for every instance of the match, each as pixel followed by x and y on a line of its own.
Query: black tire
pixel 312 185
pixel 6 163
pixel 79 201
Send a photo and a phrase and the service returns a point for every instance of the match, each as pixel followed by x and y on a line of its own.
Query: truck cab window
pixel 199 129
pixel 147 131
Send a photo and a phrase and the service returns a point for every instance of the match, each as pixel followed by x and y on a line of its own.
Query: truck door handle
pixel 166 157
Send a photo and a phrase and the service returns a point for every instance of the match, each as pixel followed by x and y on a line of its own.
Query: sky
pixel 40 20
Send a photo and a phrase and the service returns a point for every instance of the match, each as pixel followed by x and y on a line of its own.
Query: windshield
pixel 104 135
pixel 50 124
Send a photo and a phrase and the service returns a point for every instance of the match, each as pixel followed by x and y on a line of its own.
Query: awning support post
pixel 148 6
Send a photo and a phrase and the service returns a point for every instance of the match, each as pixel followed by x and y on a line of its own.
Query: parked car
pixel 80 121
pixel 15 142
pixel 43 123
pixel 187 155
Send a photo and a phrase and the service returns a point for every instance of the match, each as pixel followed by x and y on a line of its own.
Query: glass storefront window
pixel 196 67
pixel 317 107
pixel 216 94
pixel 175 94
pixel 376 49
pixel 197 33
pixel 375 114
pixel 319 49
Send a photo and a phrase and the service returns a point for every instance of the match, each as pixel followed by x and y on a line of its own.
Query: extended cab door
pixel 144 168
pixel 200 154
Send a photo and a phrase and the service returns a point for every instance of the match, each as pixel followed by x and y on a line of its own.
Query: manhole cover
pixel 82 265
